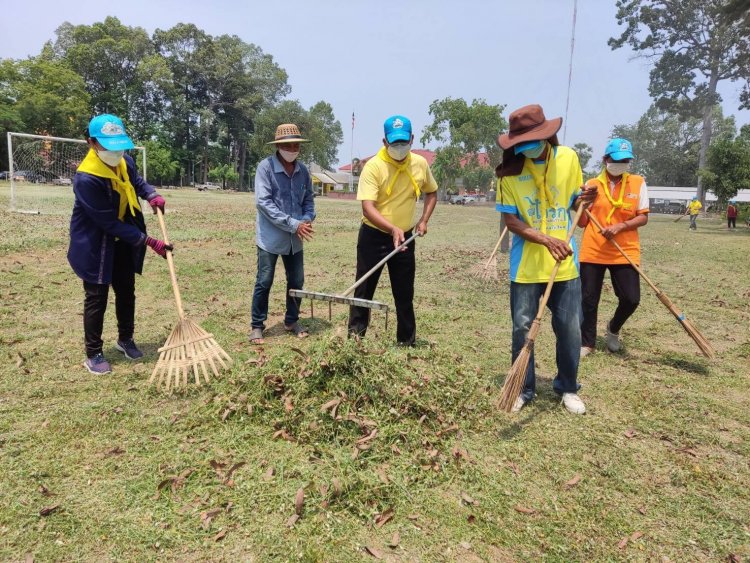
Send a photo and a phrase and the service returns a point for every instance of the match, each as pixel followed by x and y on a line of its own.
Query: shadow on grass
pixel 544 402
pixel 681 363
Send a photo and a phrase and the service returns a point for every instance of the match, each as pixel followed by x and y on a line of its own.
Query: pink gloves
pixel 159 246
pixel 157 201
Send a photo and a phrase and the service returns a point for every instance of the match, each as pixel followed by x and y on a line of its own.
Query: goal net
pixel 40 173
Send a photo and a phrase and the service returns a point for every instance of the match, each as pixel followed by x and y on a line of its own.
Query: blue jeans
pixel 565 304
pixel 295 279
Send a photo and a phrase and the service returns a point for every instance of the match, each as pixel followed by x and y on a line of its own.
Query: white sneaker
pixel 518 405
pixel 573 403
pixel 612 340
pixel 585 351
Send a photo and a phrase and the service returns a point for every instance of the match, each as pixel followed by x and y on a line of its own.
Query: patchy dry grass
pixel 657 469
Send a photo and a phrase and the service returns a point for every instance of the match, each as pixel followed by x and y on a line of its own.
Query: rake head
pixel 188 348
pixel 486 271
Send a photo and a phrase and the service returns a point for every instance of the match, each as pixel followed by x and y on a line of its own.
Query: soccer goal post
pixel 39 179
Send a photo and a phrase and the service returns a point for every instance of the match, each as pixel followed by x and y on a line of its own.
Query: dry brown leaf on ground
pixel 374 551
pixel 220 535
pixel 47 510
pixel 514 468
pixel 161 485
pixel 19 359
pixel 395 540
pixel 232 469
pixel 337 489
pixel 623 542
pixel 292 520
pixel 299 501
pixel 573 481
pixel 642 510
pixel 383 518
pixel 268 475
pixel 208 515
pixel 44 491
pixel 301 353
pixel 524 509
pixel 636 535
pixel 630 433
pixel 330 405
pixel 468 499
pixel 117 450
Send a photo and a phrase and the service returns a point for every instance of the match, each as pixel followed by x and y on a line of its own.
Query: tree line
pixel 204 106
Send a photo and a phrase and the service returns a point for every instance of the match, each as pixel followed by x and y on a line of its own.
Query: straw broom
pixel 188 346
pixel 517 375
pixel 698 338
pixel 488 270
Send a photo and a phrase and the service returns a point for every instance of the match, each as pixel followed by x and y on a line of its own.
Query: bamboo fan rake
pixel 188 346
pixel 698 338
pixel 488 271
pixel 517 375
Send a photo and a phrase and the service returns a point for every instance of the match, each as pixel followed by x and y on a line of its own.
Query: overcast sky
pixel 380 58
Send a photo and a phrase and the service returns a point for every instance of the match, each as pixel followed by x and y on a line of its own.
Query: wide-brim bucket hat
pixel 528 124
pixel 287 133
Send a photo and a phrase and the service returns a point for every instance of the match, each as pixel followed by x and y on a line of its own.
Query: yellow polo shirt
pixel 397 208
pixel 694 207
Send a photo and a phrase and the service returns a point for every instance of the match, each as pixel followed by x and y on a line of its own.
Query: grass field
pixel 414 464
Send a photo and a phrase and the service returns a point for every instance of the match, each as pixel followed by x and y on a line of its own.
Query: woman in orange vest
pixel 621 207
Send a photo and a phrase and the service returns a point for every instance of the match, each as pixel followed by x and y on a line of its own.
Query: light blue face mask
pixel 531 149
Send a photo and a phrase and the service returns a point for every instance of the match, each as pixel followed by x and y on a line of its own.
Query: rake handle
pixel 362 280
pixel 494 251
pixel 170 262
pixel 551 282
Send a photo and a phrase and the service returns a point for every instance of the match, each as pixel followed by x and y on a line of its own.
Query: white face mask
pixel 617 168
pixel 398 152
pixel 289 156
pixel 110 158
pixel 535 153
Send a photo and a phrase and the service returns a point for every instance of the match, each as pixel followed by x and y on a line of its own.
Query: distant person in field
pixel 694 207
pixel 286 211
pixel 621 207
pixel 108 237
pixel 541 183
pixel 732 215
pixel 389 187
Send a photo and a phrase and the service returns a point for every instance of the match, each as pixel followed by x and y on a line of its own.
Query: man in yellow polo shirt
pixel 694 207
pixel 389 186
pixel 540 184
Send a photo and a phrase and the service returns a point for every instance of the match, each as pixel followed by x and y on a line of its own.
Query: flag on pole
pixel 352 120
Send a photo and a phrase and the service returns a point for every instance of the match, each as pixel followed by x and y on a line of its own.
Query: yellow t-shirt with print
pixel 531 262
pixel 398 207
pixel 695 207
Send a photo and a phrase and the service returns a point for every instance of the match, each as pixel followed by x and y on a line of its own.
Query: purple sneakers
pixel 97 365
pixel 129 348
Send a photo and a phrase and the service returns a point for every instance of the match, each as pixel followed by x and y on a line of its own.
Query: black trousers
pixel 95 301
pixel 627 288
pixel 732 222
pixel 372 246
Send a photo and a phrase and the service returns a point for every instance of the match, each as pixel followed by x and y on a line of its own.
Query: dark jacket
pixel 94 225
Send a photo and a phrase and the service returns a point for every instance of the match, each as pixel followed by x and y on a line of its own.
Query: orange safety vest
pixel 594 247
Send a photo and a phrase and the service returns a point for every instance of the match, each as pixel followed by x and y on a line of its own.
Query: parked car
pixel 29 176
pixel 456 199
pixel 468 199
pixel 62 182
pixel 5 175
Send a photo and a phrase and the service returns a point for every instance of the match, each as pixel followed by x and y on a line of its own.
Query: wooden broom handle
pixel 551 282
pixel 618 247
pixel 502 236
pixel 170 261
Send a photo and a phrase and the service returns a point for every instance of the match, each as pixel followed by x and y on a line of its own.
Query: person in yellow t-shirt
pixel 389 186
pixel 540 183
pixel 694 208
pixel 621 208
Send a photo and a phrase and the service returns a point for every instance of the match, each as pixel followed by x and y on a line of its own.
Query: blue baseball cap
pixel 397 128
pixel 619 149
pixel 109 130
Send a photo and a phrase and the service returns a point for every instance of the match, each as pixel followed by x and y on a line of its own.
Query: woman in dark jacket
pixel 108 236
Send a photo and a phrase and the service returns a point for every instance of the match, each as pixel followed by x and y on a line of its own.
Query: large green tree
pixel 694 46
pixel 666 146
pixel 464 131
pixel 728 165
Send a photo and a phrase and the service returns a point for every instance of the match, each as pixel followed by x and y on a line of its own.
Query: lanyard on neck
pixel 542 185
pixel 615 203
pixel 400 167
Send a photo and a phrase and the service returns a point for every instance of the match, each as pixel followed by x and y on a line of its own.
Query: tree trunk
pixel 707 128
pixel 243 156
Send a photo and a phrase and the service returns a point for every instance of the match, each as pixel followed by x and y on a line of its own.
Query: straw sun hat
pixel 287 133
